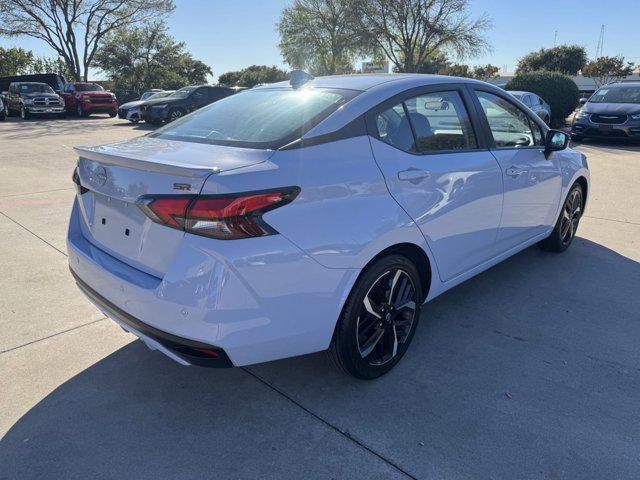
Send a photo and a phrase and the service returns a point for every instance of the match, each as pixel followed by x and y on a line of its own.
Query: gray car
pixel 535 103
pixel 612 112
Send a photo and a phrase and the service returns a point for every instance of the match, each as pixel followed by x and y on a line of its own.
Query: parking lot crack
pixel 33 233
pixel 343 433
pixel 53 335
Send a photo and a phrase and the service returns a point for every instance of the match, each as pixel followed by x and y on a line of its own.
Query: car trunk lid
pixel 117 175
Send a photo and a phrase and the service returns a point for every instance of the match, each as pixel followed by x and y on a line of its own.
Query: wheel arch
pixel 413 252
pixel 584 184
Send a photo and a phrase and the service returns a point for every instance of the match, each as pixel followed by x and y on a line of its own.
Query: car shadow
pixel 530 369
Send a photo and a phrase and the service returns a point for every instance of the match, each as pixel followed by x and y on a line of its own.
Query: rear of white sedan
pixel 295 218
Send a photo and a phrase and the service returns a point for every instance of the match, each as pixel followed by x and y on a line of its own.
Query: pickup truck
pixel 85 98
pixel 32 98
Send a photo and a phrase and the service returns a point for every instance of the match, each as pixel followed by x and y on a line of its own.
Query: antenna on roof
pixel 299 78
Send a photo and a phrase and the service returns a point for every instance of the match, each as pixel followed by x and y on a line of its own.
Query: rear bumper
pixel 255 300
pixel 183 350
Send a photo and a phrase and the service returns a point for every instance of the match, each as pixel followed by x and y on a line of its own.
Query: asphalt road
pixel 528 371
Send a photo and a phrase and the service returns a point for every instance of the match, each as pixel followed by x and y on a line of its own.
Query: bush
pixel 558 90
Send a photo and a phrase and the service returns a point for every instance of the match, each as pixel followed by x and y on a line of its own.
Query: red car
pixel 83 99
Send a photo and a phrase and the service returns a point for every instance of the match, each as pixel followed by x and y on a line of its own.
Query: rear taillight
pixel 225 217
pixel 76 179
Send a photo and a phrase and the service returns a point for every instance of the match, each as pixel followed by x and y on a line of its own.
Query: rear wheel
pixel 175 114
pixel 113 114
pixel 565 230
pixel 379 318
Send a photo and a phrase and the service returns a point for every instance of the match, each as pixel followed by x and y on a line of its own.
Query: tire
pixel 567 224
pixel 3 114
pixel 113 114
pixel 175 114
pixel 81 112
pixel 7 110
pixel 24 113
pixel 369 313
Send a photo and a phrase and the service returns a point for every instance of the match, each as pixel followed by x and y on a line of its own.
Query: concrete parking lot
pixel 528 371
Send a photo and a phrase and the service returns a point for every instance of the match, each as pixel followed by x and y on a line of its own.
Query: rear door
pixel 441 172
pixel 532 182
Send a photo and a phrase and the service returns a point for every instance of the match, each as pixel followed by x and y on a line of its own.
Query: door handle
pixel 413 175
pixel 514 172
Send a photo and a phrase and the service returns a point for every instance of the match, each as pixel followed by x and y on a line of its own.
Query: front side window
pixel 257 118
pixel 509 125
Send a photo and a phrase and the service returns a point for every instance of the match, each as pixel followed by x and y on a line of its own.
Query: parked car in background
pixel 32 98
pixel 84 98
pixel 55 81
pixel 181 102
pixel 131 110
pixel 612 112
pixel 535 103
pixel 298 217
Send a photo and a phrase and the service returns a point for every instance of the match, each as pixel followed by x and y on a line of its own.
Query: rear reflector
pixel 225 217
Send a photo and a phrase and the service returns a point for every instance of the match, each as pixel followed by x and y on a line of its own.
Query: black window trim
pixel 468 103
pixel 485 123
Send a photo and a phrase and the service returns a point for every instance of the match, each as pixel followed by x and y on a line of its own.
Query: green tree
pixel 50 65
pixel 14 61
pixel 411 31
pixel 567 59
pixel 485 72
pixel 557 89
pixel 320 35
pixel 75 29
pixel 253 75
pixel 607 69
pixel 457 70
pixel 148 57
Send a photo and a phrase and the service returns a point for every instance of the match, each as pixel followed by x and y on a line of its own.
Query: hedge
pixel 557 89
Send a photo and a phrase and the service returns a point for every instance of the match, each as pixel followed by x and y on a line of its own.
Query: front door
pixel 436 169
pixel 532 182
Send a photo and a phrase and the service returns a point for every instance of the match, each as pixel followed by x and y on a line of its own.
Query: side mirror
pixel 583 100
pixel 556 141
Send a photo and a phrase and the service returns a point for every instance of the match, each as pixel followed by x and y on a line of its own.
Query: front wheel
pixel 567 225
pixel 113 114
pixel 175 114
pixel 81 112
pixel 24 113
pixel 379 318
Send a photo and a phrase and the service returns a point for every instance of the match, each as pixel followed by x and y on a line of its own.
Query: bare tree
pixel 410 31
pixel 75 28
pixel 319 35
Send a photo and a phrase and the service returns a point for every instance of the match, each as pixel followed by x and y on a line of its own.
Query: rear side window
pixel 510 126
pixel 258 118
pixel 394 128
pixel 426 123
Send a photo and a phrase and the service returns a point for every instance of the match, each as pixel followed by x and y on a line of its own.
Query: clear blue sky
pixel 231 34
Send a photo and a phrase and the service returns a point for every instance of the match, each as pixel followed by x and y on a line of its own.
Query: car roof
pixel 30 83
pixel 621 84
pixel 368 81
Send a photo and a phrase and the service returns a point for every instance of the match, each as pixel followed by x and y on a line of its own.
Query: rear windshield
pixel 183 92
pixel 262 118
pixel 88 87
pixel 617 95
pixel 35 88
